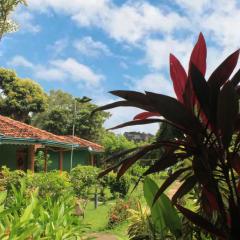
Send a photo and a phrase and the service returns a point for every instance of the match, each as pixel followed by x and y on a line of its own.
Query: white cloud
pixel 157 51
pixel 20 61
pixel 153 82
pixel 58 47
pixel 87 46
pixel 193 6
pixel 49 74
pixel 61 70
pixel 26 21
pixel 87 12
pixel 130 22
pixel 78 72
pixel 133 22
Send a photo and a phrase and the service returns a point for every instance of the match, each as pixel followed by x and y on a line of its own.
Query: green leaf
pixel 163 213
pixel 150 189
pixel 27 214
pixel 3 196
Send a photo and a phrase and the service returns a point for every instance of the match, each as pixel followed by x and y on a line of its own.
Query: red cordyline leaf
pixel 210 198
pixel 238 187
pixel 198 59
pixel 236 165
pixel 224 70
pixel 145 115
pixel 178 76
pixel 199 55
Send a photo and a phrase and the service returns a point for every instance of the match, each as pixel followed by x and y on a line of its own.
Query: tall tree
pixel 59 117
pixel 115 143
pixel 6 8
pixel 20 97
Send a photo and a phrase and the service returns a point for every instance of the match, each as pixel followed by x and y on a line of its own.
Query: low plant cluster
pixel 82 182
pixel 119 212
pixel 38 218
pixel 154 222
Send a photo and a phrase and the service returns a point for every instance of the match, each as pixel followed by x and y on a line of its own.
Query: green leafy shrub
pixel 8 178
pixel 38 218
pixel 84 180
pixel 140 226
pixel 136 172
pixel 51 184
pixel 119 186
pixel 118 213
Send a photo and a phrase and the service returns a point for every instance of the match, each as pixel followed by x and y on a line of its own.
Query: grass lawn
pixel 97 219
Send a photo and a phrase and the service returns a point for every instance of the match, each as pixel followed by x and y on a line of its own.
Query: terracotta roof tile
pixel 83 142
pixel 13 128
pixel 16 129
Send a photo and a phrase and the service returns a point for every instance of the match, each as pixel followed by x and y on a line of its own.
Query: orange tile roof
pixel 16 129
pixel 13 128
pixel 83 142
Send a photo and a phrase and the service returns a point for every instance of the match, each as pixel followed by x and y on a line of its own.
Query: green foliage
pixel 40 161
pixel 136 172
pixel 53 184
pixel 39 218
pixel 20 96
pixel 7 25
pixel 9 178
pixel 140 226
pixel 164 215
pixel 114 143
pixel 119 187
pixel 118 213
pixel 84 180
pixel 59 116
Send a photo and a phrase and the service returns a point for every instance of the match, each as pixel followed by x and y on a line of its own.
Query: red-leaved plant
pixel 206 157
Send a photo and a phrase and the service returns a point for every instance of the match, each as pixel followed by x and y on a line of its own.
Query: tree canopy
pixel 58 118
pixel 114 143
pixel 20 97
pixel 6 8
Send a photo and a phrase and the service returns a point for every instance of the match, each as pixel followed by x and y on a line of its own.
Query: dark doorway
pixel 22 159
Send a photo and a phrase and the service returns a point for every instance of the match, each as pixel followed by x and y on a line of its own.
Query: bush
pixel 35 218
pixel 119 186
pixel 8 178
pixel 136 172
pixel 84 180
pixel 119 212
pixel 51 184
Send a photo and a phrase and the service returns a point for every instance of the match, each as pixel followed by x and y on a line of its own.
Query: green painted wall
pixel 79 157
pixel 8 155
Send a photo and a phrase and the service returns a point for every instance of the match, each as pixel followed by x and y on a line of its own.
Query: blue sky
pixel 89 47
